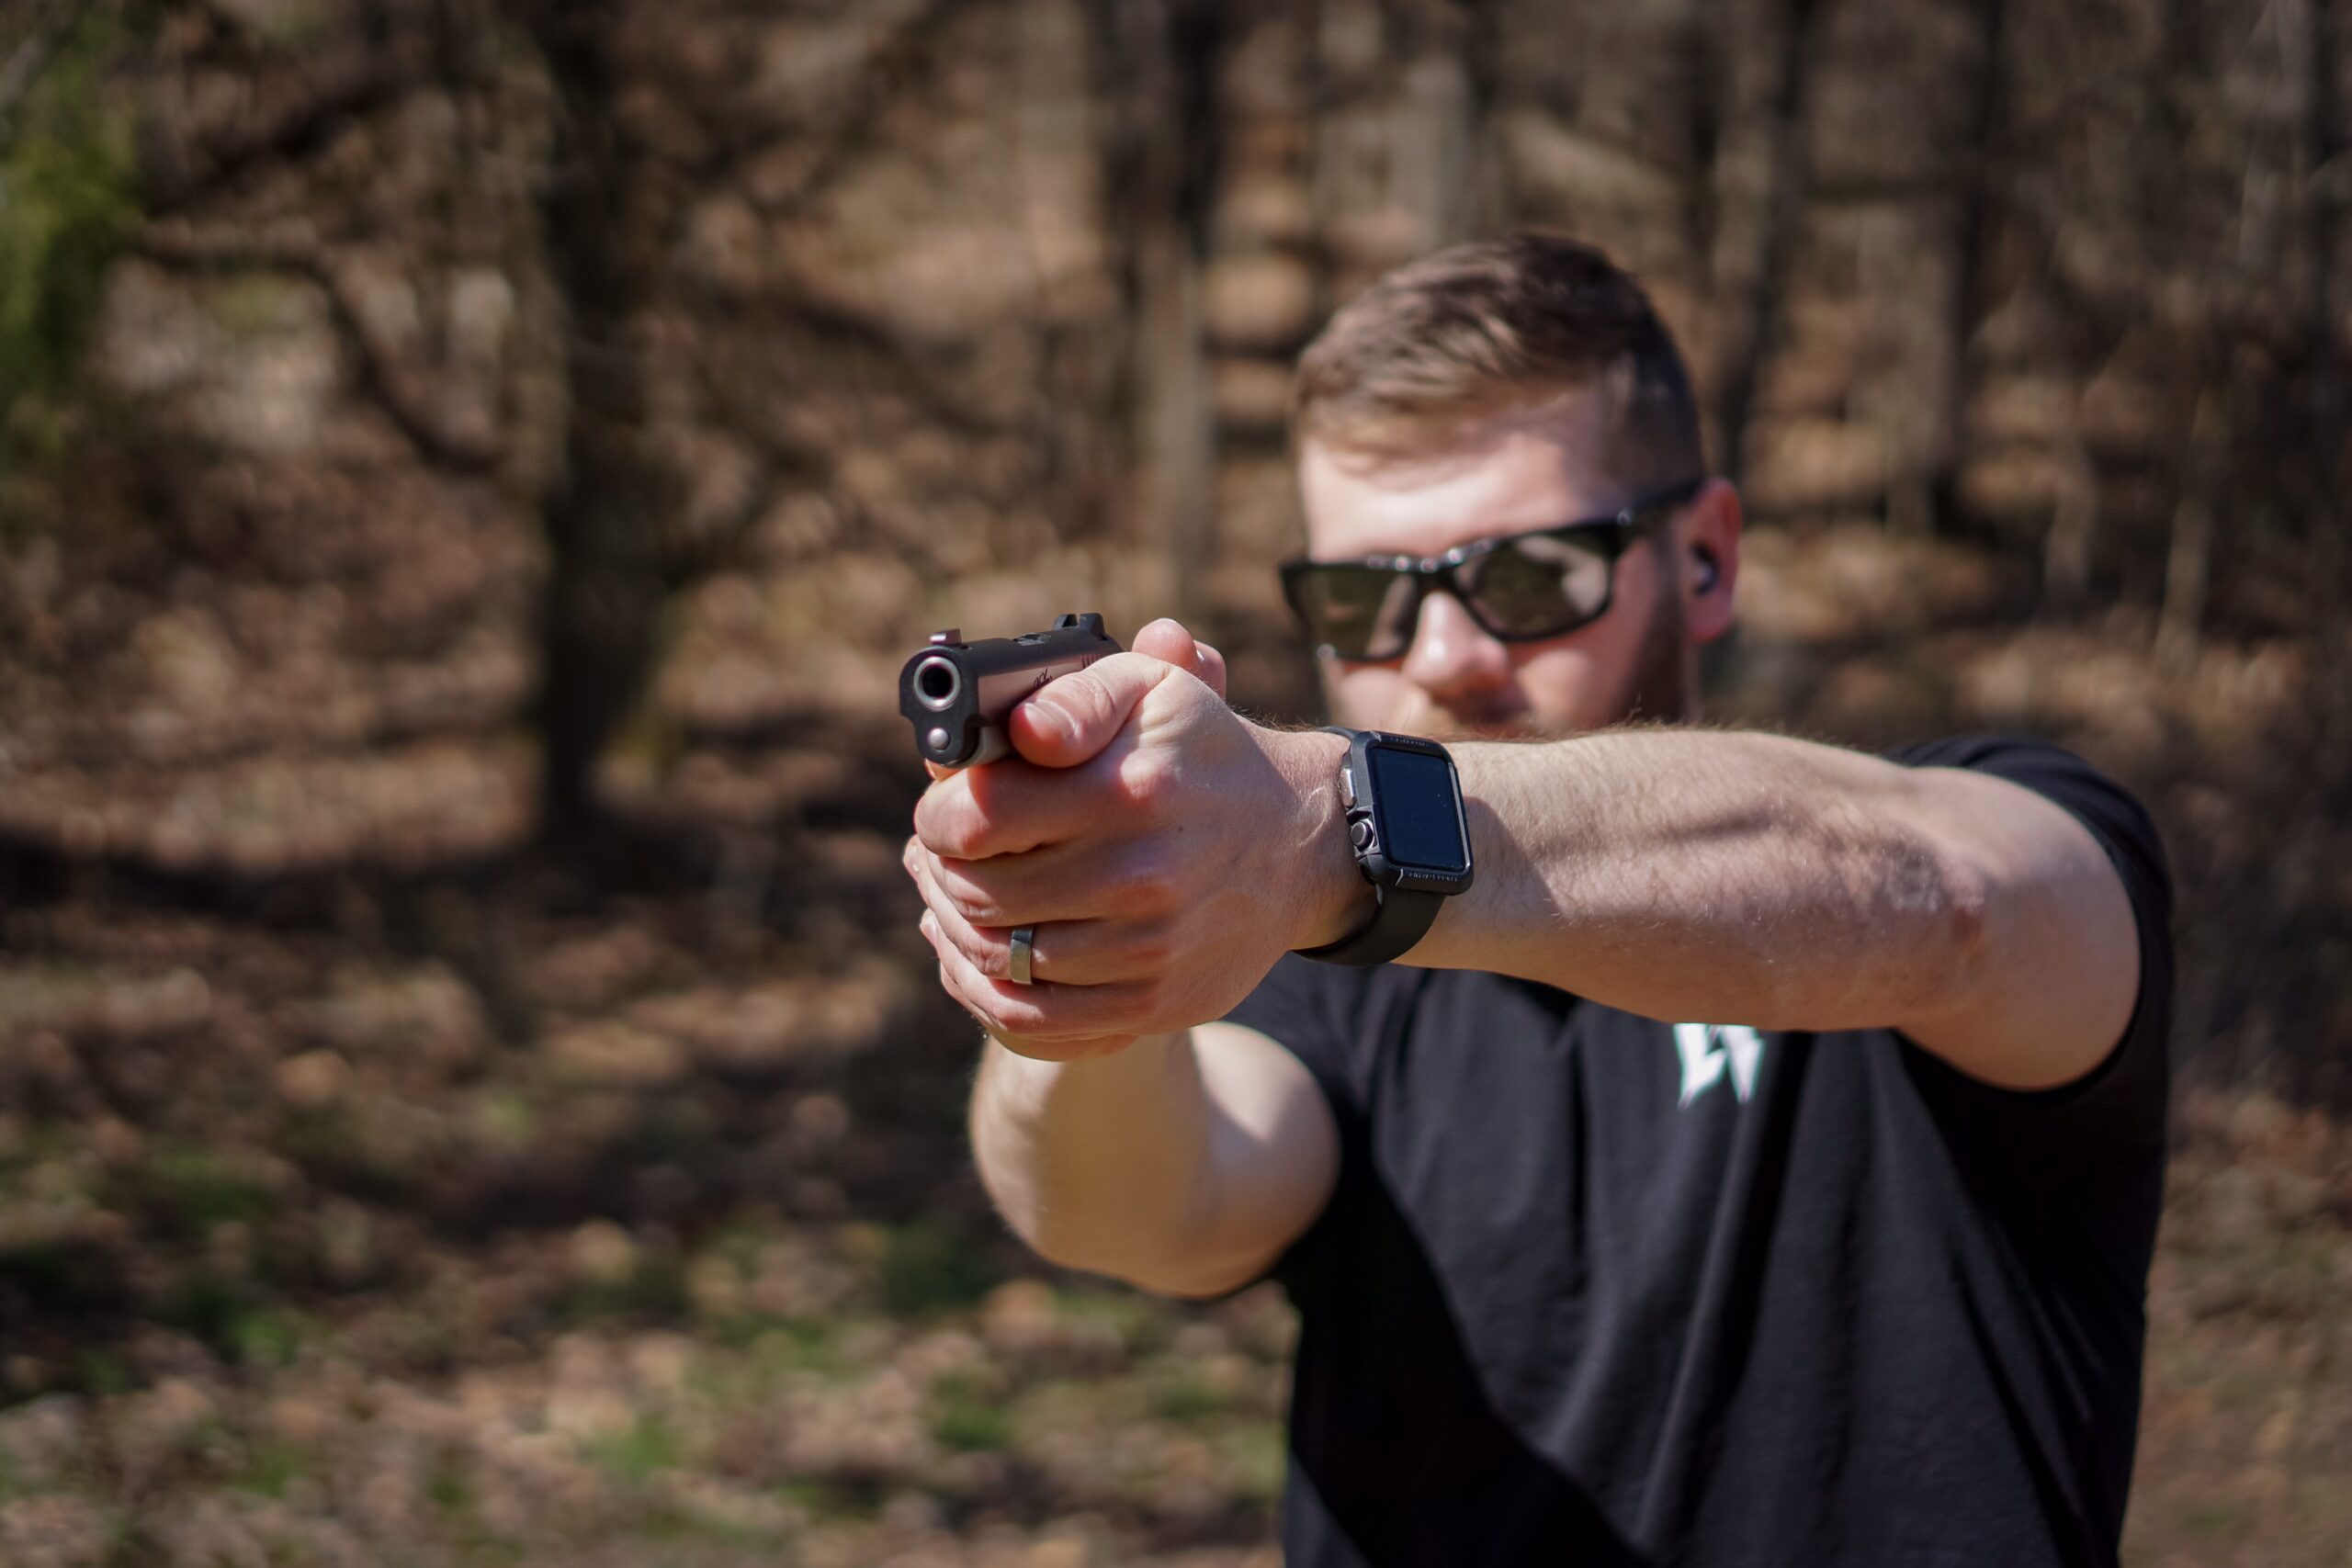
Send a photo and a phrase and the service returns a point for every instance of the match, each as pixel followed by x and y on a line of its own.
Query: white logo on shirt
pixel 1706 1048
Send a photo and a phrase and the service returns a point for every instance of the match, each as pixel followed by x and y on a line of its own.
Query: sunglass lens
pixel 1541 585
pixel 1357 612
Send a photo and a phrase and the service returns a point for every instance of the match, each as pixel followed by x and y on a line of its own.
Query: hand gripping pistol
pixel 958 694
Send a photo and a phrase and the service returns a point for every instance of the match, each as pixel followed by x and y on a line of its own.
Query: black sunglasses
pixel 1518 587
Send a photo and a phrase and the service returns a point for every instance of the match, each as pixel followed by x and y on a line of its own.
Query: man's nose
pixel 1452 653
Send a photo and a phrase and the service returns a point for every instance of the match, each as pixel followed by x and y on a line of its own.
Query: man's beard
pixel 1658 691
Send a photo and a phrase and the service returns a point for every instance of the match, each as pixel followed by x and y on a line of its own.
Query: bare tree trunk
pixel 2186 567
pixel 1159 60
pixel 1748 291
pixel 2188 561
pixel 1444 166
pixel 2322 163
pixel 2074 529
pixel 602 514
pixel 1982 163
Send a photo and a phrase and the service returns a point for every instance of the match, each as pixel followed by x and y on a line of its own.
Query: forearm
pixel 1732 877
pixel 1100 1163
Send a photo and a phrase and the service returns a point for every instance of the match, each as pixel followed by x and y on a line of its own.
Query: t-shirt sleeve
pixel 2123 1097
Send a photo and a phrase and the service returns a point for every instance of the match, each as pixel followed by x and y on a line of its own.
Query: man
pixel 1757 1163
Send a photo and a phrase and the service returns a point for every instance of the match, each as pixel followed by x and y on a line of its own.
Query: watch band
pixel 1401 916
pixel 1404 917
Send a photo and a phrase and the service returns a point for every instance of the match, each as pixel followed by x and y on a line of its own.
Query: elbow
pixel 1967 915
pixel 1953 922
pixel 1133 1260
pixel 1119 1241
pixel 1918 940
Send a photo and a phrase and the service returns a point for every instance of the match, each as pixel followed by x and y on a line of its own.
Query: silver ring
pixel 1022 954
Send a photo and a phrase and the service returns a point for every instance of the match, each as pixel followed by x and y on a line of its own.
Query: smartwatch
pixel 1410 836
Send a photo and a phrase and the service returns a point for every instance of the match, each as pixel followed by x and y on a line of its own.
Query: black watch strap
pixel 1403 918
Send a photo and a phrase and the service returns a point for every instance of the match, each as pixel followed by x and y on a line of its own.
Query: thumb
pixel 1072 719
pixel 1167 640
pixel 1212 668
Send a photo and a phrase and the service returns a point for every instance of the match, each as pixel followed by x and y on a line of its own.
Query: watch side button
pixel 1359 834
pixel 1348 786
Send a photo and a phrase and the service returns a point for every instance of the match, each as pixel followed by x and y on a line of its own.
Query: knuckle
pixel 957 838
pixel 1021 1018
pixel 1152 947
pixel 1150 785
pixel 976 952
pixel 1087 696
pixel 1152 893
pixel 973 905
pixel 1089 703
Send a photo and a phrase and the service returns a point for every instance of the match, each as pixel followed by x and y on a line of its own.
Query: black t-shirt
pixel 1597 1288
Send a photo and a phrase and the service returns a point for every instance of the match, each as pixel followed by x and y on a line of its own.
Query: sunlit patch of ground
pixel 856 1395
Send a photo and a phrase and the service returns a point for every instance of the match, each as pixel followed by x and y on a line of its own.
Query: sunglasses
pixel 1517 587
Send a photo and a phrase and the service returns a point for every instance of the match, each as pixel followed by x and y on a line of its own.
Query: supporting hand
pixel 1165 851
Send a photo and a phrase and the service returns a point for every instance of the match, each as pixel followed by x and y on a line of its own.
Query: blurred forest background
pixel 470 1087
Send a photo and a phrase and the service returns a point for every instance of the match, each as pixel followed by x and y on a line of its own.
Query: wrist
pixel 1333 898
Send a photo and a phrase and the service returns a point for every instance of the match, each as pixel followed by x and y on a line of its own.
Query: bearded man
pixel 1683 1145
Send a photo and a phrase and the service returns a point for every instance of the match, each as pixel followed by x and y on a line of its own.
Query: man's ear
pixel 1709 540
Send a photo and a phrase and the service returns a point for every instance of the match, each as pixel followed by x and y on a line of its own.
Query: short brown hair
pixel 1441 345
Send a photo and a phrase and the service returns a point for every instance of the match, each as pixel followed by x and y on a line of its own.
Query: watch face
pixel 1420 810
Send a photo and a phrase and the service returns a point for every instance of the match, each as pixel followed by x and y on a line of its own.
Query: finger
pixel 1072 719
pixel 1064 953
pixel 1167 640
pixel 1084 952
pixel 1007 807
pixel 1058 1022
pixel 1031 889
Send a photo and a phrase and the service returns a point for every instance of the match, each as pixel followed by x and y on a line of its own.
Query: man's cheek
pixel 1365 697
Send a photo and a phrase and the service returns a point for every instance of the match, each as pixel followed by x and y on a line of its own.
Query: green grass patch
pixel 334 1150
pixel 270 1336
pixel 932 1266
pixel 508 1118
pixel 1141 1324
pixel 68 206
pixel 270 1464
pixel 448 1488
pixel 1259 1454
pixel 655 1290
pixel 781 1347
pixel 1184 1397
pixel 672 1522
pixel 490 1551
pixel 187 1189
pixel 968 1418
pixel 639 1451
pixel 100 1372
pixel 836 1499
pixel 423 1342
pixel 2217 1520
